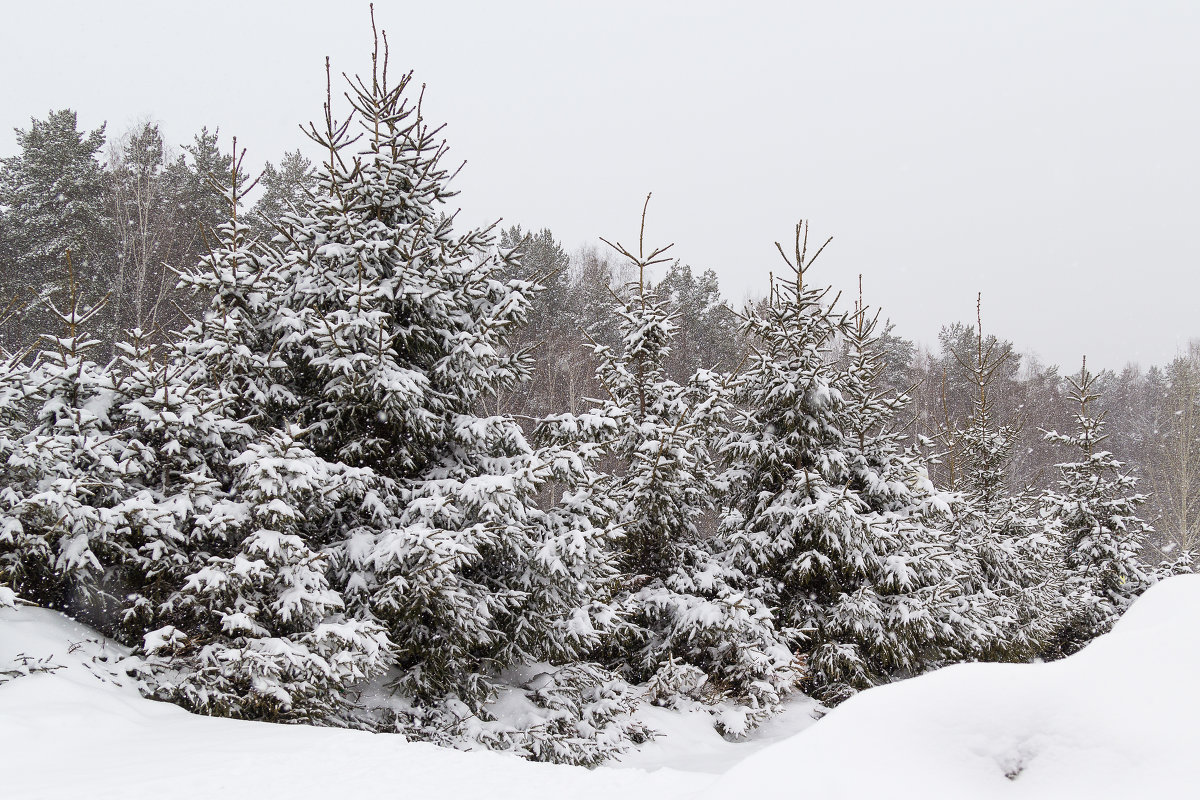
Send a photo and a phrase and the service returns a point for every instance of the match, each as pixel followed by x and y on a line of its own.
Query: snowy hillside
pixel 1084 727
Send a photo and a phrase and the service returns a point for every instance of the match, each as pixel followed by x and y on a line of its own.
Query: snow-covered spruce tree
pixel 828 522
pixel 393 334
pixel 63 474
pixel 1017 574
pixel 22 557
pixel 261 634
pixel 253 628
pixel 1096 507
pixel 166 438
pixel 682 626
pixel 910 614
pixel 182 406
pixel 79 532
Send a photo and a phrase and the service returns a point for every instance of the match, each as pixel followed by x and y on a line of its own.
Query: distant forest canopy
pixel 132 211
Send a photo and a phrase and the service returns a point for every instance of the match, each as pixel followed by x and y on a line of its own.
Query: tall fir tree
pixel 51 201
pixel 393 333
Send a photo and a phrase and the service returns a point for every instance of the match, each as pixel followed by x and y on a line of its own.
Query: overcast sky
pixel 1044 153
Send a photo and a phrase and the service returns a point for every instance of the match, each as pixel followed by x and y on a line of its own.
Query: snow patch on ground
pixel 1120 719
pixel 688 742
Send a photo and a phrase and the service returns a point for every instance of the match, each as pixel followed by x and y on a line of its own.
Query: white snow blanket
pixel 1120 719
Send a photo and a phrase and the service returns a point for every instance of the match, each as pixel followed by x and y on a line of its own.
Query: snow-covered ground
pixel 1120 719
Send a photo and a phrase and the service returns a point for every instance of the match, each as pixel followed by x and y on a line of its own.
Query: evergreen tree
pixel 393 333
pixel 910 615
pixel 1017 578
pixel 63 473
pixel 687 629
pixel 1096 507
pixel 256 626
pixel 791 525
pixel 285 190
pixel 184 406
pixel 829 523
pixel 51 201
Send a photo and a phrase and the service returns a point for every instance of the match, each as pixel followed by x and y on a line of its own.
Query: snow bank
pixel 1120 719
pixel 79 732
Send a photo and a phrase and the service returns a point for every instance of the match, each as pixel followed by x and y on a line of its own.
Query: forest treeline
pixel 1152 414
pixel 326 458
pixel 131 213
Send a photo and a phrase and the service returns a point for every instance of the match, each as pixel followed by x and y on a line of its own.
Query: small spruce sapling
pixel 687 628
pixel 1016 579
pixel 1095 505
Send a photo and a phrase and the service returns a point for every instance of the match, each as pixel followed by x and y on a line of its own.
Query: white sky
pixel 1044 153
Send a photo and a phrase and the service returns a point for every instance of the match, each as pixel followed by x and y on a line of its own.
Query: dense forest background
pixel 132 210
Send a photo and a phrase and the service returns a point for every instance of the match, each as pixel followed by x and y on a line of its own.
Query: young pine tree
pixel 1096 507
pixel 687 629
pixel 64 474
pixel 910 614
pixel 254 625
pixel 1015 582
pixel 830 524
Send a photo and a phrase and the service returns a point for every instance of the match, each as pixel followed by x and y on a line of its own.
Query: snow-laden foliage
pixel 233 607
pixel 309 506
pixel 1016 578
pixel 24 557
pixel 63 471
pixel 260 633
pixel 1096 508
pixel 388 333
pixel 830 524
pixel 677 606
pixel 916 583
pixel 578 713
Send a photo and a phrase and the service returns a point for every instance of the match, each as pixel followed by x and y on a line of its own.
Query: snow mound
pixel 1120 719
pixel 73 729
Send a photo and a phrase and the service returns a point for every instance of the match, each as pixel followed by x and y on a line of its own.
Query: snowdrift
pixel 1120 719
